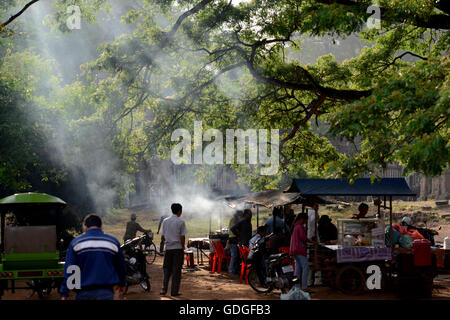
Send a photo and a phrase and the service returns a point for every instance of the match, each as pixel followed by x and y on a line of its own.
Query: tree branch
pixel 313 106
pixel 185 15
pixel 435 21
pixel 387 65
pixel 14 17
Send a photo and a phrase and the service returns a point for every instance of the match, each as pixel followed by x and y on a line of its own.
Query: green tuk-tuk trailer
pixel 29 242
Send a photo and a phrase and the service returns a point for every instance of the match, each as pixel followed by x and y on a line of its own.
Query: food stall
pixel 362 242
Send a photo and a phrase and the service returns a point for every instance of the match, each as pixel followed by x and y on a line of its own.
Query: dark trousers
pixel 173 261
pixel 97 294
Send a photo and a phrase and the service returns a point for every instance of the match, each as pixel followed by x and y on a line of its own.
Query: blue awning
pixel 341 187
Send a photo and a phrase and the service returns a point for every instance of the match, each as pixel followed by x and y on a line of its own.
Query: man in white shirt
pixel 173 234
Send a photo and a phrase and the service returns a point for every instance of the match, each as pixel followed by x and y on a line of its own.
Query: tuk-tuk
pixel 29 247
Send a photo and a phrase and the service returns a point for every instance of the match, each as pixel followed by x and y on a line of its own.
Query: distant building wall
pixel 426 188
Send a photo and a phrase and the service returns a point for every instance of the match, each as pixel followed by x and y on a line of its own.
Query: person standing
pixel 233 242
pixel 161 245
pixel 173 234
pixel 362 211
pixel 132 228
pixel 276 221
pixel 100 261
pixel 298 248
pixel 243 229
pixel 328 233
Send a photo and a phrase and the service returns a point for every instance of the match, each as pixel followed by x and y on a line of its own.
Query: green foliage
pixel 239 66
pixel 405 120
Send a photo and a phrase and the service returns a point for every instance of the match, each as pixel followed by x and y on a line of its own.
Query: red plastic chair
pixel 219 256
pixel 244 252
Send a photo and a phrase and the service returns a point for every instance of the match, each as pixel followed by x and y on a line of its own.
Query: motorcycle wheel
pixel 150 253
pixel 253 281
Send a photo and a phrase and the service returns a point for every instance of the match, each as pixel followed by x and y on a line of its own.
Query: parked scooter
pixel 269 271
pixel 427 233
pixel 136 263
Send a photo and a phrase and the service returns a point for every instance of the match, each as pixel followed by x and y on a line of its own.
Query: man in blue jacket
pixel 100 261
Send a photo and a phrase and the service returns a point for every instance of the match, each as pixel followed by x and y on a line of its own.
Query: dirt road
pixel 200 284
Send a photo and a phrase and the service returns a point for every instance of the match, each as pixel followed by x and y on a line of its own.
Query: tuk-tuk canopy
pixel 30 198
pixel 342 187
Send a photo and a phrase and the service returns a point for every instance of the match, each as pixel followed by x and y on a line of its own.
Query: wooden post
pixel 379 211
pixel 220 220
pixel 210 223
pixel 257 216
pixel 2 244
pixel 391 232
pixel 316 244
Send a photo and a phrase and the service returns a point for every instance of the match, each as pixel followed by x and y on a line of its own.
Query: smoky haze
pixel 81 145
pixel 84 144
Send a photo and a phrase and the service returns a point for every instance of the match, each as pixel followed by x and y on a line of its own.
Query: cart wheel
pixel 350 279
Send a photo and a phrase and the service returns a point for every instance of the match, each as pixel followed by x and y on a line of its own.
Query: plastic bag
pixel 403 230
pixel 396 236
pixel 415 235
pixel 405 241
pixel 295 294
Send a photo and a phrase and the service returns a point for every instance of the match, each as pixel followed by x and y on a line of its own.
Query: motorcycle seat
pixel 277 256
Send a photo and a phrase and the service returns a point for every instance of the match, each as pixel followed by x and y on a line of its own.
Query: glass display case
pixel 361 233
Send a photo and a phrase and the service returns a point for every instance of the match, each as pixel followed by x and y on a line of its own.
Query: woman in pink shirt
pixel 298 248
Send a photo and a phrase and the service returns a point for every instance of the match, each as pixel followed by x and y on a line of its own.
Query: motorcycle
pixel 428 234
pixel 269 271
pixel 148 247
pixel 136 263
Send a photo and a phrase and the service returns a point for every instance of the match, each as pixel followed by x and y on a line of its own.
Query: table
pixel 197 243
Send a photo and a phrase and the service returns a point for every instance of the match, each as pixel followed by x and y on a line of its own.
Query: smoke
pixel 178 184
pixel 80 139
pixel 77 142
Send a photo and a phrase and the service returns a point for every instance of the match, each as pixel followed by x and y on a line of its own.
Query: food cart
pixel 346 265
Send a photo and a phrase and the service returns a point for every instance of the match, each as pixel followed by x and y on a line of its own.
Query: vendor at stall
pixel 276 221
pixel 328 233
pixel 363 209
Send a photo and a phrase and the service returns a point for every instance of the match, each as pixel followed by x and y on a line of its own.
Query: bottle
pixel 446 243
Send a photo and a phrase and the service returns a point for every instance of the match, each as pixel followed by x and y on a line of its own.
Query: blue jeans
pixel 234 261
pixel 301 263
pixel 97 294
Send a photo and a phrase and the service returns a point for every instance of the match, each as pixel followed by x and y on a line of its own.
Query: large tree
pixel 232 66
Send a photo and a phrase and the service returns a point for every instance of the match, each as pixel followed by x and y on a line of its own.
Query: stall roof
pixel 273 198
pixel 341 187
